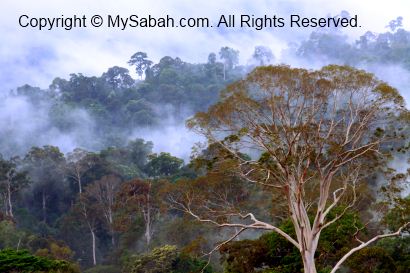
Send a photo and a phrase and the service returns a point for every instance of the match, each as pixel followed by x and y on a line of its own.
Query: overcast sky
pixel 36 57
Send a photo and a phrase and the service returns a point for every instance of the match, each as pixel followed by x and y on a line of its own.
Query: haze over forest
pixel 88 164
pixel 70 121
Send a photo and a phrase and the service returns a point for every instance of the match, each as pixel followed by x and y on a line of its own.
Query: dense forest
pixel 299 167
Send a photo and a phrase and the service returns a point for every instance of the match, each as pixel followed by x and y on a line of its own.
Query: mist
pixel 22 118
pixel 25 125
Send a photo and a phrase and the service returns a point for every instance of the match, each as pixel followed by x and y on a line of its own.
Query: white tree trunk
pixel 308 259
pixel 4 199
pixel 10 205
pixel 44 207
pixel 80 190
pixel 93 242
pixel 307 235
pixel 110 222
pixel 112 238
pixel 148 233
pixel 148 226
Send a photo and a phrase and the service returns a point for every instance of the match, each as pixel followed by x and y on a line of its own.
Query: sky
pixel 37 57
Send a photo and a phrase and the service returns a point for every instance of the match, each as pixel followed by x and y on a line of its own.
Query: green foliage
pixel 336 239
pixel 115 100
pixel 158 261
pixel 165 259
pixel 163 164
pixel 23 261
pixel 13 237
pixel 10 236
pixel 129 160
pixel 45 167
pixel 185 263
pixel 371 260
pixel 399 214
pixel 272 251
pixel 269 251
pixel 117 104
pixel 245 256
pixel 103 269
pixel 398 250
pixel 50 248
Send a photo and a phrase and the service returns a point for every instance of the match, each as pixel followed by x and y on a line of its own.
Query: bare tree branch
pixel 365 244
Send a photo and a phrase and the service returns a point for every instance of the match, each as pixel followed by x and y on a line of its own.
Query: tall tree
pixel 103 193
pixel 314 136
pixel 137 198
pixel 78 163
pixel 45 167
pixel 87 208
pixel 263 55
pixel 141 62
pixel 230 58
pixel 118 77
pixel 395 24
pixel 11 181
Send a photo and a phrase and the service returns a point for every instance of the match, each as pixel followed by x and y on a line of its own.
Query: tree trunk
pixel 93 242
pixel 10 205
pixel 148 233
pixel 18 244
pixel 307 236
pixel 147 216
pixel 77 177
pixel 80 190
pixel 91 228
pixel 4 197
pixel 44 207
pixel 148 226
pixel 112 238
pixel 309 244
pixel 110 223
pixel 308 259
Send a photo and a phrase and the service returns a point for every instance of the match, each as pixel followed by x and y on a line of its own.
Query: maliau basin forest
pixel 280 166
